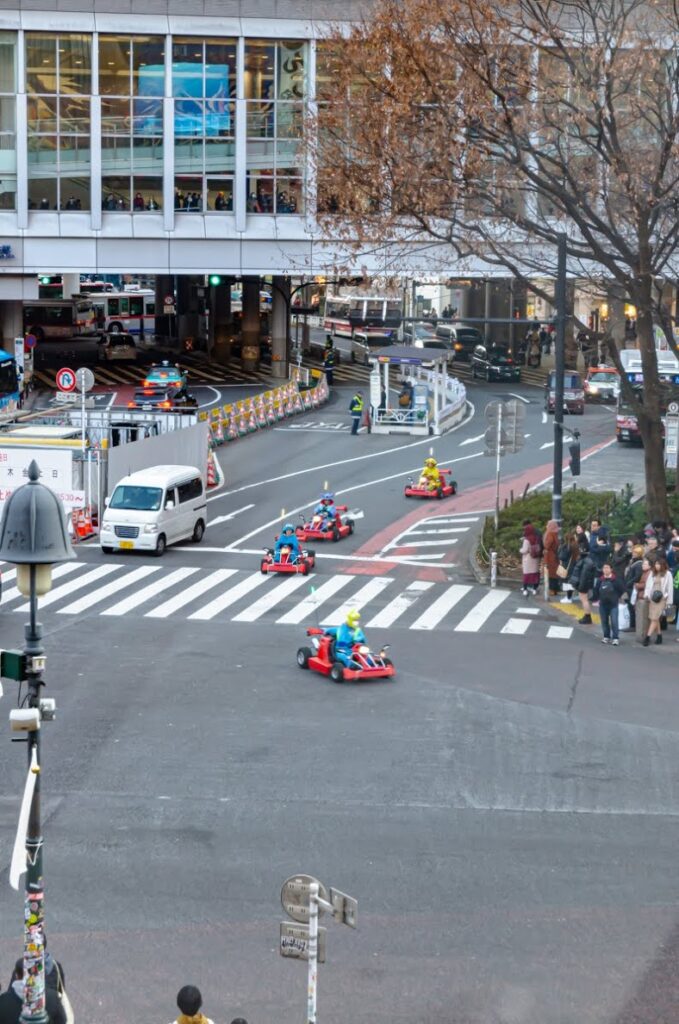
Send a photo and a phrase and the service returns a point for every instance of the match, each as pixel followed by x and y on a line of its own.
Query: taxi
pixel 165 377
pixel 602 384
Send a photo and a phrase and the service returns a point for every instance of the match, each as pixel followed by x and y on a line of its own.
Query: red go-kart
pixel 288 563
pixel 448 487
pixel 320 657
pixel 340 527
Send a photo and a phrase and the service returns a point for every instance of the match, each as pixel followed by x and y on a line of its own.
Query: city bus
pixel 133 312
pixel 9 383
pixel 626 423
pixel 376 317
pixel 59 318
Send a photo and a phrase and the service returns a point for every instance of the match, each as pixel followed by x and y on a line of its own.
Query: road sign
pixel 345 908
pixel 294 941
pixel 66 397
pixel 295 896
pixel 84 379
pixel 673 409
pixel 30 341
pixel 65 379
pixel 169 300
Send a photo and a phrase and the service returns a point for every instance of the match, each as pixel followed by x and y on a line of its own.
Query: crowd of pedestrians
pixel 634 580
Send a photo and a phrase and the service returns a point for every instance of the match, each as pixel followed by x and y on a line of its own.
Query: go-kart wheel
pixel 310 554
pixel 337 672
pixel 305 569
pixel 439 492
pixel 335 534
pixel 453 484
pixel 350 524
pixel 387 661
pixel 262 568
pixel 303 655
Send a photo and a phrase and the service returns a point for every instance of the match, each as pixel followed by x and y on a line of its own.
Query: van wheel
pixel 198 532
pixel 161 544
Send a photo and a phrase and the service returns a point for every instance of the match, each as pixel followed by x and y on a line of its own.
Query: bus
pixel 376 317
pixel 133 311
pixel 9 383
pixel 59 318
pixel 626 423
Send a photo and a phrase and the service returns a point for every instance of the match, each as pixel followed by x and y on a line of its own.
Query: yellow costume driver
pixel 430 476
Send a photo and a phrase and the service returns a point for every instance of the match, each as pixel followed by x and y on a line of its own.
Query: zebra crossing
pixel 119 589
pixel 205 372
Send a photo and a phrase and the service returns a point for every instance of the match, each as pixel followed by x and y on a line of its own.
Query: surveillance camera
pixel 24 719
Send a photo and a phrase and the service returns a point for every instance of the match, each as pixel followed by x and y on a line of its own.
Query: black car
pixel 166 399
pixel 494 364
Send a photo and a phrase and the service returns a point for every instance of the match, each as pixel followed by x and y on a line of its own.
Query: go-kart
pixel 416 490
pixel 287 563
pixel 317 529
pixel 320 657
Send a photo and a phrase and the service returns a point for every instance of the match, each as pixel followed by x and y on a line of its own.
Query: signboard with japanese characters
pixel 56 472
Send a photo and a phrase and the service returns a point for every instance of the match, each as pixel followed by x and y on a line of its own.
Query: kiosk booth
pixel 429 401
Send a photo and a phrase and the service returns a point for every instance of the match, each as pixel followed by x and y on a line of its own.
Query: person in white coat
pixel 659 591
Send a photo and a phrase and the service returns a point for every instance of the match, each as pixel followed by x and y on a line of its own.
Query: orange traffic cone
pixel 211 470
pixel 232 430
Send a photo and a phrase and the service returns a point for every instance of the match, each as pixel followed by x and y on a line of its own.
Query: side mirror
pixel 107 500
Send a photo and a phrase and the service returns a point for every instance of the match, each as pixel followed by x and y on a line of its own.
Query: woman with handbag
pixel 659 590
pixel 569 554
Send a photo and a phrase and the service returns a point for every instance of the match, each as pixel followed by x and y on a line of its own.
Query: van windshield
pixel 138 499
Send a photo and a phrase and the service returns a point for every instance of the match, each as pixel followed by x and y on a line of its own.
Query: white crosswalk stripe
pixel 119 589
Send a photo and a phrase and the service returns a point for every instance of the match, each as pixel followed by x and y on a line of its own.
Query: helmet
pixel 328 496
pixel 353 619
pixel 288 528
pixel 430 462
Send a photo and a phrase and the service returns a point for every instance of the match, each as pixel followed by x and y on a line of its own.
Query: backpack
pixel 607 591
pixel 536 547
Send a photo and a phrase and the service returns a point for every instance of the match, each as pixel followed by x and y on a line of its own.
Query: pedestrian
pixel 189 1001
pixel 586 577
pixel 620 557
pixel 531 552
pixel 11 1001
pixel 599 546
pixel 551 556
pixel 658 591
pixel 609 589
pixel 569 554
pixel 356 410
pixel 632 578
pixel 545 341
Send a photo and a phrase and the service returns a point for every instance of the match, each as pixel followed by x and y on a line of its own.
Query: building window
pixel 204 87
pixel 8 154
pixel 58 84
pixel 131 83
pixel 275 90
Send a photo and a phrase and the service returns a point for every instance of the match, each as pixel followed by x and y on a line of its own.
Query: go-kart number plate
pixel 127 544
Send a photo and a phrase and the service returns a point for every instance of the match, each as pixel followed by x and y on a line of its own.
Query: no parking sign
pixel 66 379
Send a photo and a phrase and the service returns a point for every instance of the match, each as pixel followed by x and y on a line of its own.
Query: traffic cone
pixel 218 431
pixel 270 412
pixel 261 413
pixel 307 398
pixel 252 420
pixel 232 430
pixel 298 403
pixel 211 470
pixel 242 423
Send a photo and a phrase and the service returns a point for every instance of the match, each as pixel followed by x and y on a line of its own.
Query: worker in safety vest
pixel 356 410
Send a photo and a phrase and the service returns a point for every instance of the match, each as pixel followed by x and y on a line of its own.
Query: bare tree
pixel 487 128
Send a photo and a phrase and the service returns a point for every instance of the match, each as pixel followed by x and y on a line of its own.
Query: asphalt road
pixel 504 812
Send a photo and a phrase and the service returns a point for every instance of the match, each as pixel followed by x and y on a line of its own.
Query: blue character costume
pixel 346 635
pixel 287 539
pixel 326 508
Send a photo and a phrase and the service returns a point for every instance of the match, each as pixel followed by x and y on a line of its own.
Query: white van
pixel 153 508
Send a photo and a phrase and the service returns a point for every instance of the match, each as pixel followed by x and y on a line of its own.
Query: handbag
pixel 562 572
pixel 623 616
pixel 657 596
pixel 63 997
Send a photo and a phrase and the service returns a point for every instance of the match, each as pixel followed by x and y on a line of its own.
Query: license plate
pixel 147 406
pixel 127 544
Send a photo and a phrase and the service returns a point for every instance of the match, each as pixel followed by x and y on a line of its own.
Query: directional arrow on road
pixel 471 440
pixel 231 515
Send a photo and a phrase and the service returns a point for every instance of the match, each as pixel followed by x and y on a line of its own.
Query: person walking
pixel 609 589
pixel 189 1002
pixel 658 591
pixel 587 576
pixel 551 555
pixel 356 410
pixel 531 552
pixel 632 577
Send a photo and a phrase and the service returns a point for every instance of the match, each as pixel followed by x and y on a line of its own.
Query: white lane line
pixel 405 543
pixel 399 605
pixel 67 588
pixel 366 593
pixel 547 444
pixel 148 593
pixel 431 533
pixel 412 559
pixel 230 515
pixel 441 606
pixel 229 597
pixel 312 602
pixel 190 594
pixel 520 397
pixel 61 570
pixel 83 604
pixel 559 632
pixel 527 611
pixel 517 627
pixel 204 405
pixel 474 619
pixel 471 440
pixel 274 597
pixel 449 520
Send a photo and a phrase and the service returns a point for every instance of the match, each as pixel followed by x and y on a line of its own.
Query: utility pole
pixel 559 370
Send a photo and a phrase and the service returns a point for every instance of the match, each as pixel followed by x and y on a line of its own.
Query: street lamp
pixel 33 537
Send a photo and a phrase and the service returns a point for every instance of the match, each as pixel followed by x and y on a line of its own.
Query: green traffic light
pixel 215 279
pixel 44 280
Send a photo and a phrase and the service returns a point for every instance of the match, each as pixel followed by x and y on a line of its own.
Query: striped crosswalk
pixel 116 589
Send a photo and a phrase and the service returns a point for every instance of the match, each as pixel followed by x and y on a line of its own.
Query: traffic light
pixel 45 280
pixel 574 461
pixel 215 279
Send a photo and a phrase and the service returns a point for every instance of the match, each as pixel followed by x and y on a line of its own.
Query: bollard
pixel 545 573
pixel 493 569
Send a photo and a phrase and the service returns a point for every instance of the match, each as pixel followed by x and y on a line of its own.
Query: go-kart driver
pixel 430 478
pixel 346 635
pixel 326 509
pixel 287 539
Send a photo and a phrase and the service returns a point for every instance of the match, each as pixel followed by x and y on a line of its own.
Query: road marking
pixel 431 533
pixel 96 596
pixel 516 626
pixel 68 588
pixel 452 519
pixel 312 602
pixel 520 397
pixel 405 543
pixel 61 570
pixel 190 594
pixel 474 619
pixel 441 606
pixel 471 440
pixel 274 597
pixel 229 597
pixel 149 592
pixel 527 611
pixel 547 444
pixel 230 515
pixel 388 615
pixel 366 593
pixel 559 632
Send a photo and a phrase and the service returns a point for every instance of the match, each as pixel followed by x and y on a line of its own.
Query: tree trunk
pixel 649 418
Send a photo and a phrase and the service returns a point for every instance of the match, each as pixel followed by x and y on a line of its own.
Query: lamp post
pixel 559 370
pixel 33 537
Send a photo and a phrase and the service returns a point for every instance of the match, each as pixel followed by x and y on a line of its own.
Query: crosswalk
pixel 114 590
pixel 431 540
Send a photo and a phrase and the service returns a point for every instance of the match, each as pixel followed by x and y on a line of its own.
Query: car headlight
pixel 151 528
pixel 593 389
